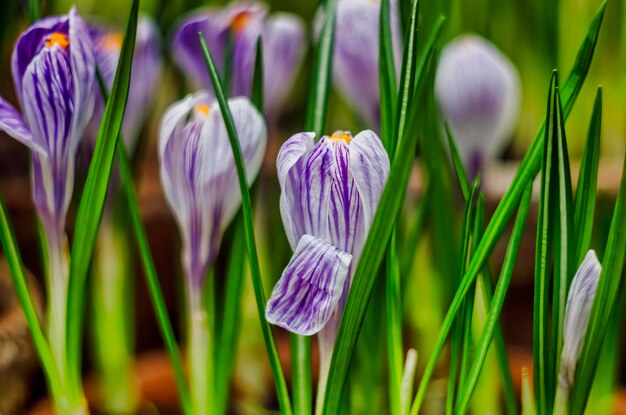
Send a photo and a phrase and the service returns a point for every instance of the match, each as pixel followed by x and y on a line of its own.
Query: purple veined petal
pixel 369 164
pixel 284 47
pixel 12 123
pixel 308 292
pixel 477 89
pixel 290 166
pixel 186 50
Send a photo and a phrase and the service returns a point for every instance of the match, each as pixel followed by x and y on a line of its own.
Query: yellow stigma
pixel 202 109
pixel 341 136
pixel 111 41
pixel 57 38
pixel 240 21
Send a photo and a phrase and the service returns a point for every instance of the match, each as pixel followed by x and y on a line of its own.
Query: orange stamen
pixel 240 21
pixel 341 136
pixel 111 41
pixel 202 109
pixel 57 38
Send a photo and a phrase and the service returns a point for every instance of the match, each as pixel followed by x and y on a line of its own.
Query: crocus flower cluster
pixel 145 74
pixel 53 74
pixel 329 194
pixel 199 175
pixel 355 55
pixel 243 22
pixel 477 88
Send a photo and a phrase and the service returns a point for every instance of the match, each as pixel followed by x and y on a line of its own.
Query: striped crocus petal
pixel 579 303
pixel 12 123
pixel 477 88
pixel 355 64
pixel 144 77
pixel 283 49
pixel 53 71
pixel 309 290
pixel 199 175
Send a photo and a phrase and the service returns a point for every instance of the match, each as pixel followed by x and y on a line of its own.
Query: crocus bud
pixel 355 57
pixel 477 88
pixel 283 48
pixel 145 74
pixel 198 172
pixel 579 303
pixel 53 74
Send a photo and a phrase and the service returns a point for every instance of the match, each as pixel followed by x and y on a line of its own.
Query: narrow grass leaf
pixel 246 206
pixel 487 335
pixel 415 232
pixel 93 198
pixel 586 189
pixel 526 172
pixel 257 78
pixel 457 164
pixel 322 68
pixel 409 73
pixel 387 80
pixel 604 303
pixel 393 305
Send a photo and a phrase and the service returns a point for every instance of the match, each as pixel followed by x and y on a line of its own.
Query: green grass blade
pixel 92 201
pixel 322 68
pixel 246 206
pixel 257 78
pixel 301 373
pixel 20 283
pixel 457 164
pixel 408 74
pixel 487 335
pixel 603 304
pixel 372 255
pixel 415 233
pixel 526 172
pixel 387 80
pixel 586 189
pixel 393 304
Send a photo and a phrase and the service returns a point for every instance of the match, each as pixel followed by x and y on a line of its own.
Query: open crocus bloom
pixel 283 48
pixel 330 192
pixel 198 171
pixel 145 74
pixel 53 74
pixel 477 88
pixel 355 57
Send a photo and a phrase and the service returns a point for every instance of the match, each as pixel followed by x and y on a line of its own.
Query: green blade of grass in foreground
pixel 526 172
pixel 246 206
pixel 586 190
pixel 482 347
pixel 92 203
pixel 604 303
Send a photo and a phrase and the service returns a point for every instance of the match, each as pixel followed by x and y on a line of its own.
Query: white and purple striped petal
pixel 12 123
pixel 198 171
pixel 309 290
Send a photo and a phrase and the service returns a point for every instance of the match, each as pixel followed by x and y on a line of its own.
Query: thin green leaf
pixel 246 205
pixel 393 304
pixel 528 398
pixel 20 283
pixel 482 347
pixel 415 233
pixel 92 201
pixel 301 378
pixel 527 171
pixel 603 304
pixel 387 80
pixel 322 67
pixel 586 190
pixel 371 257
pixel 457 163
pixel 257 78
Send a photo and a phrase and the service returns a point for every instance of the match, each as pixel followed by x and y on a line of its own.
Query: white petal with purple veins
pixel 309 290
pixel 11 122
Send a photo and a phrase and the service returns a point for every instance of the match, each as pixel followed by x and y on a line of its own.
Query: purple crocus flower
pixel 145 75
pixel 53 74
pixel 355 57
pixel 283 48
pixel 329 194
pixel 477 88
pixel 198 172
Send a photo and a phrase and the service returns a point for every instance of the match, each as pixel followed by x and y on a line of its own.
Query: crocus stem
pixel 326 343
pixel 200 348
pixel 113 318
pixel 561 400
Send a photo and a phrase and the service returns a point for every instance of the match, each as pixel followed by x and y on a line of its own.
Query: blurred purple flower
pixel 330 192
pixel 145 75
pixel 477 88
pixel 53 74
pixel 198 171
pixel 355 57
pixel 283 48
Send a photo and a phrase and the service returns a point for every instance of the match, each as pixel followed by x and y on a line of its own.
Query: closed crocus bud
pixel 477 88
pixel 283 48
pixel 198 172
pixel 53 74
pixel 145 75
pixel 355 56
